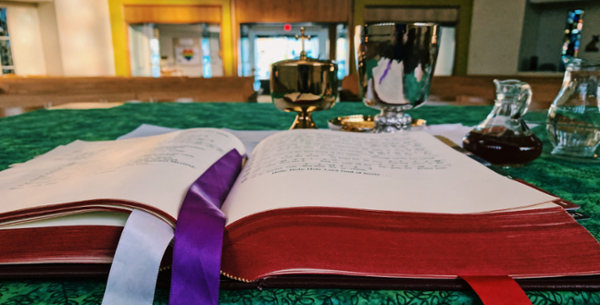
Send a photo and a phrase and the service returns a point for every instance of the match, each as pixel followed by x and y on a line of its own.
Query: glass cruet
pixel 573 121
pixel 503 138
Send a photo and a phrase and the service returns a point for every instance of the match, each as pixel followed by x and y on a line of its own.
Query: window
pixel 5 50
pixel 572 33
pixel 342 51
pixel 262 44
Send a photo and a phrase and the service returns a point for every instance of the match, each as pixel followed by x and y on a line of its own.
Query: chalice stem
pixel 303 120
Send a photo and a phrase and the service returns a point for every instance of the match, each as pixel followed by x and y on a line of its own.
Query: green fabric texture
pixel 24 136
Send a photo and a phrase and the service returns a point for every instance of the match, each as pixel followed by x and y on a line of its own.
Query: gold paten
pixel 361 123
pixel 303 86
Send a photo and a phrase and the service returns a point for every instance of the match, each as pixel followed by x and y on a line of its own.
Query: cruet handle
pixel 524 101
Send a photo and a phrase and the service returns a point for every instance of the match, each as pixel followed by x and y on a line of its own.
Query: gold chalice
pixel 303 86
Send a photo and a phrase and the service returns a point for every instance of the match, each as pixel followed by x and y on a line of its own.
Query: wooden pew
pixel 48 91
pixel 216 89
pixel 479 89
pixel 39 92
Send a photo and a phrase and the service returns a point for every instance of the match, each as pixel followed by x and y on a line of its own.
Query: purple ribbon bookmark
pixel 199 235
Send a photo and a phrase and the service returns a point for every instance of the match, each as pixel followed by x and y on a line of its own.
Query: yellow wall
pixel 229 34
pixel 119 31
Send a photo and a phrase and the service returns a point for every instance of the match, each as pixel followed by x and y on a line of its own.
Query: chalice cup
pixel 304 86
pixel 395 63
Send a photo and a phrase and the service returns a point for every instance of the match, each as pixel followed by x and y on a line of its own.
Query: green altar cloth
pixel 24 136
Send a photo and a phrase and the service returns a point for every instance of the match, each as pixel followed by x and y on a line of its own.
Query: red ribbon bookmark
pixel 497 290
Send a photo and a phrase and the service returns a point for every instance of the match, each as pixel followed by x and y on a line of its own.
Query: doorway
pixel 262 44
pixel 175 50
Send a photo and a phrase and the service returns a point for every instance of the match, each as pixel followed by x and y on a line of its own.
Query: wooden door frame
pixel 121 40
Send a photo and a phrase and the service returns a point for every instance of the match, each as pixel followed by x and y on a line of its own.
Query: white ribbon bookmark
pixel 134 270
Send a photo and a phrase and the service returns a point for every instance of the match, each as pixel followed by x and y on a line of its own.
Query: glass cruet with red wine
pixel 503 138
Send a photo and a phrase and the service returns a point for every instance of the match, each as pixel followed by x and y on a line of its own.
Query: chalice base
pixel 392 121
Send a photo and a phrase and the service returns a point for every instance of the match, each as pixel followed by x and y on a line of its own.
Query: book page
pixel 155 171
pixel 408 171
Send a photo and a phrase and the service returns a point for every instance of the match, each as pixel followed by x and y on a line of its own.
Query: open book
pixel 306 202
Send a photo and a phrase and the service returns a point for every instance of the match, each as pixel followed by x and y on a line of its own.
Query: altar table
pixel 24 136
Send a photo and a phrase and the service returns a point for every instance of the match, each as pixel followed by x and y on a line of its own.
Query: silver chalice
pixel 395 63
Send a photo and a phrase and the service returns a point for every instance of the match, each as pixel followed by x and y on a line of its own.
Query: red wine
pixel 500 146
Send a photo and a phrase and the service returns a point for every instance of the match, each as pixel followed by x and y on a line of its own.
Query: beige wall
pixel 496 36
pixel 85 37
pixel 50 39
pixel 25 38
pixel 62 37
